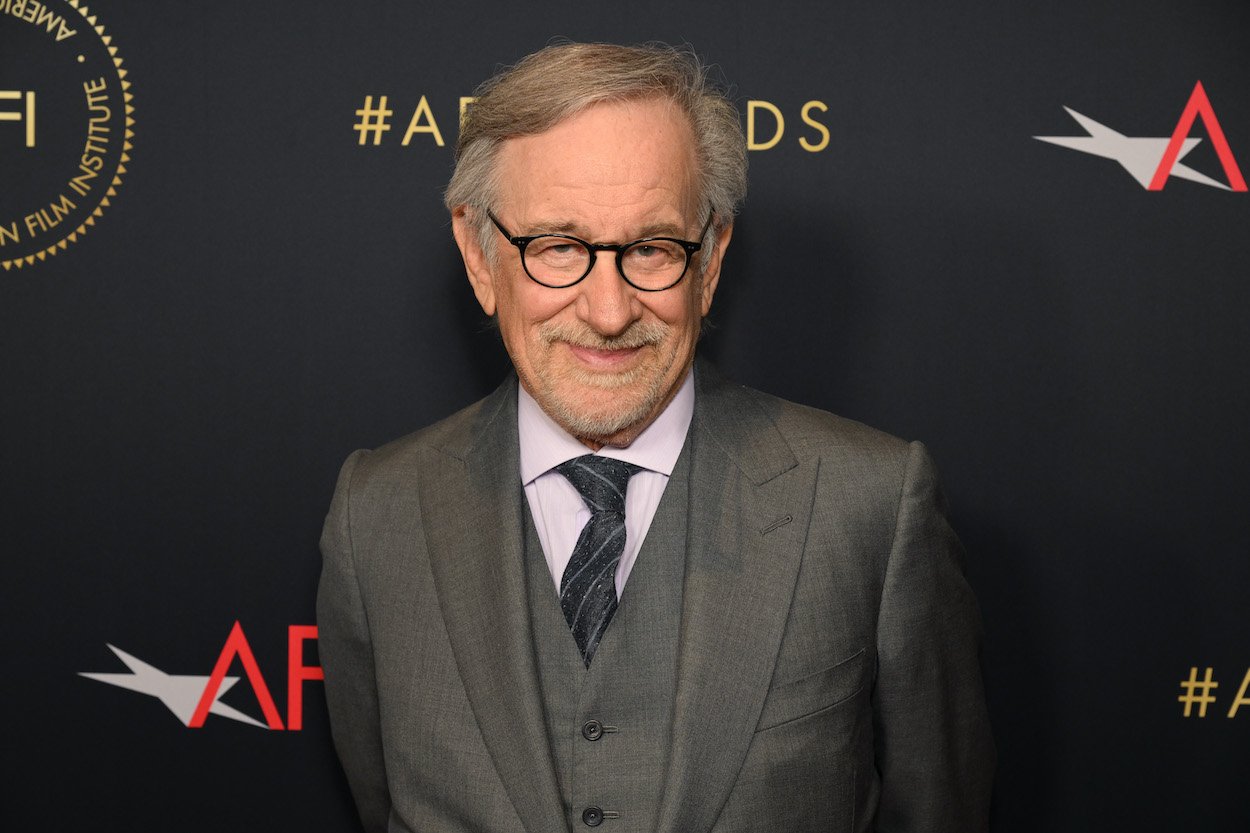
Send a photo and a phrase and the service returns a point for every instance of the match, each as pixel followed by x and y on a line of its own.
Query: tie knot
pixel 601 481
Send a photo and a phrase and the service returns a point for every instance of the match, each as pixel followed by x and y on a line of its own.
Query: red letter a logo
pixel 1199 105
pixel 236 644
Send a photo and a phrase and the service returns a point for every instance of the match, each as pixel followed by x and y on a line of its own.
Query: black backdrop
pixel 264 294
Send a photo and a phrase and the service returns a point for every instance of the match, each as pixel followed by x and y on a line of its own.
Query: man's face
pixel 602 359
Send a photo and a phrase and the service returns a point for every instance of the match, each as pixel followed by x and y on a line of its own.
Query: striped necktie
pixel 588 588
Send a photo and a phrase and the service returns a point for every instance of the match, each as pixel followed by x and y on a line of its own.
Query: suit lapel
pixel 750 501
pixel 472 502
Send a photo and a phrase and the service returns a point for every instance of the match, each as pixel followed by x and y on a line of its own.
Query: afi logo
pixel 1152 160
pixel 193 697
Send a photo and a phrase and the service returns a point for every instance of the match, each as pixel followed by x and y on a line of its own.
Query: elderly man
pixel 620 591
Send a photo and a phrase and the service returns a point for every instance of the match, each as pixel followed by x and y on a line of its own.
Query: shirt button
pixel 592 816
pixel 592 730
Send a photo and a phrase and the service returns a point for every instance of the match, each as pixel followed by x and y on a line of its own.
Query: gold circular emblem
pixel 66 123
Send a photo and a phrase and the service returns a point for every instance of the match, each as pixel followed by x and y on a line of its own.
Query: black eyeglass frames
pixel 559 261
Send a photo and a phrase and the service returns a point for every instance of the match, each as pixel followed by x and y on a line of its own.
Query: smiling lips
pixel 596 353
pixel 600 359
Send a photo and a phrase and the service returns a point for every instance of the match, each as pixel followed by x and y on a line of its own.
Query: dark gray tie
pixel 588 588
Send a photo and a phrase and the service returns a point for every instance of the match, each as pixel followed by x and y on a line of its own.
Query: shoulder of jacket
pixel 452 435
pixel 812 430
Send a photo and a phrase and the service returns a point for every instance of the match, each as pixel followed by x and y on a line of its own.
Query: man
pixel 737 614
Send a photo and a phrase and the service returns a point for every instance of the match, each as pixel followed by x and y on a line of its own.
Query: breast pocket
pixel 814 692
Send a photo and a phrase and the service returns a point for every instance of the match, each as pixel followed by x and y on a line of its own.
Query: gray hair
pixel 559 81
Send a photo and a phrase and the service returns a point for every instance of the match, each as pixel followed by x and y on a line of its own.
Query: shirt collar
pixel 545 445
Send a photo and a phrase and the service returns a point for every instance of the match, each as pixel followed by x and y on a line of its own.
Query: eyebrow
pixel 575 230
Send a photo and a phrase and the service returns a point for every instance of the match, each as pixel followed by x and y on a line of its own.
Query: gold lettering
pixel 60 212
pixel 10 233
pixel 81 183
pixel 824 131
pixel 1241 699
pixel 48 20
pixel 752 106
pixel 97 123
pixel 415 126
pixel 38 14
pixel 92 146
pixel 16 95
pixel 41 220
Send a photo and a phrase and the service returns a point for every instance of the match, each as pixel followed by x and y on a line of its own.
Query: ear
pixel 476 264
pixel 711 272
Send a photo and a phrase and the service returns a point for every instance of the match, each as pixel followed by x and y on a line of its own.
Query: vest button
pixel 592 730
pixel 592 816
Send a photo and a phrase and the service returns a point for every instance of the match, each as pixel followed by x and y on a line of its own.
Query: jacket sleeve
pixel 346 655
pixel 934 752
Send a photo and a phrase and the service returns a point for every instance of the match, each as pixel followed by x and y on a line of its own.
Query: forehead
pixel 610 163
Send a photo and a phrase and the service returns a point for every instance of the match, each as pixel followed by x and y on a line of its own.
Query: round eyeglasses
pixel 558 261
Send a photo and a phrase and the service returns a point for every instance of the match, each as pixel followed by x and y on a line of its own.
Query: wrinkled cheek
pixel 683 351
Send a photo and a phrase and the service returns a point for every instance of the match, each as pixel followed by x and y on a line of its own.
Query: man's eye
pixel 554 248
pixel 656 253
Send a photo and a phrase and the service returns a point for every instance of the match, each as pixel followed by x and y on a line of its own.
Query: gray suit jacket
pixel 828 663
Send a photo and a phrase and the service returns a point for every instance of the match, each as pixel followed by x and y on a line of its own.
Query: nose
pixel 607 303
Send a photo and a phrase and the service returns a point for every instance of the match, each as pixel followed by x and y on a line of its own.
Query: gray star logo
pixel 179 692
pixel 1140 156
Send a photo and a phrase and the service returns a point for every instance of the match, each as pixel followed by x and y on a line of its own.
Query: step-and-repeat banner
pixel 1018 232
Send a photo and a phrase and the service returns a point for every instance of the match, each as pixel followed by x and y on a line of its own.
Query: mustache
pixel 639 334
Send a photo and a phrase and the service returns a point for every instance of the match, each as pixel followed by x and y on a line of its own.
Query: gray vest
pixel 609 726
